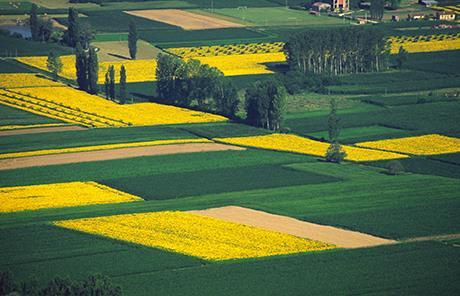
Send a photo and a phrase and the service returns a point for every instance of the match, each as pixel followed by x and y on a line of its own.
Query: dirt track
pixel 184 19
pixel 328 234
pixel 65 158
pixel 39 130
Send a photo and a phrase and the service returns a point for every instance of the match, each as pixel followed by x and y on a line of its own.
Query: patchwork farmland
pixel 257 147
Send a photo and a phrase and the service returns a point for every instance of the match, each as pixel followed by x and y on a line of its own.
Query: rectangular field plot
pixel 60 195
pixel 348 134
pixel 421 145
pixel 177 185
pixel 277 16
pixel 184 19
pixel 194 235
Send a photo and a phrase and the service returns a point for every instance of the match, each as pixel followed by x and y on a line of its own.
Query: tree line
pixel 337 51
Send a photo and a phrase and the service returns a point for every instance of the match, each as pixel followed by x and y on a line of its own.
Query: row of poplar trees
pixel 338 51
pixel 192 84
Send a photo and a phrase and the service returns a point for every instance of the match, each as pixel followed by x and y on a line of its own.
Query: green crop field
pixel 411 202
pixel 278 16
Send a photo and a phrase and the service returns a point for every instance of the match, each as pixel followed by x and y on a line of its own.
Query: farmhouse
pixel 320 7
pixel 445 16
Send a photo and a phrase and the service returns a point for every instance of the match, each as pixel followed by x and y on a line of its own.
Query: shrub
pixel 335 153
pixel 395 167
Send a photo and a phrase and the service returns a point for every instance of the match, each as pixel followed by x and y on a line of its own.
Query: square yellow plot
pixel 297 144
pixel 194 235
pixel 59 195
pixel 422 145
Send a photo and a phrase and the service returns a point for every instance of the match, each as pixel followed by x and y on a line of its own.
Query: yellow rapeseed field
pixel 60 195
pixel 109 113
pixel 225 50
pixel 243 64
pixel 297 144
pixel 25 80
pixel 136 70
pixel 427 43
pixel 194 235
pixel 101 147
pixel 421 145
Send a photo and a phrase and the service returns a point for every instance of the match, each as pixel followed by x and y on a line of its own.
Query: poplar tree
pixel 333 122
pixel 73 31
pixel 112 82
pixel 107 85
pixel 54 64
pixel 33 22
pixel 93 69
pixel 132 40
pixel 377 9
pixel 81 67
pixel 122 91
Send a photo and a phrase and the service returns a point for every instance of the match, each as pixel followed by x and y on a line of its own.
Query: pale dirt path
pixel 328 234
pixel 39 130
pixel 88 156
pixel 184 19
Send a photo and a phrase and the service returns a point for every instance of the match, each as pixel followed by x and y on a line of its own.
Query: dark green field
pixel 13 116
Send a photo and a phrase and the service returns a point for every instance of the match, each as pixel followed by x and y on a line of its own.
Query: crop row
pixel 224 50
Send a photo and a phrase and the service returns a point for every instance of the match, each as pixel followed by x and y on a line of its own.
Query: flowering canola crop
pixel 191 234
pixel 59 195
pixel 421 145
pixel 25 80
pixel 429 43
pixel 243 64
pixel 136 70
pixel 74 106
pixel 102 147
pixel 225 50
pixel 293 143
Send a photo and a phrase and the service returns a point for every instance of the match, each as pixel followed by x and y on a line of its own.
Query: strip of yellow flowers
pixel 128 114
pixel 421 145
pixel 191 234
pixel 230 49
pixel 25 80
pixel 101 147
pixel 59 195
pixel 136 70
pixel 243 64
pixel 426 44
pixel 297 144
pixel 13 127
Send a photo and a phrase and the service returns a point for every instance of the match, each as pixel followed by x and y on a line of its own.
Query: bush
pixel 395 167
pixel 335 153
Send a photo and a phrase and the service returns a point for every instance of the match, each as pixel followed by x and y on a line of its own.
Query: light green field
pixel 278 16
pixel 118 50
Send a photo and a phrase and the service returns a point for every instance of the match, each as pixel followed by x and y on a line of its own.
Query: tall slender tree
pixel 132 40
pixel 107 85
pixel 54 64
pixel 93 71
pixel 33 22
pixel 333 122
pixel 122 90
pixel 112 82
pixel 73 30
pixel 81 66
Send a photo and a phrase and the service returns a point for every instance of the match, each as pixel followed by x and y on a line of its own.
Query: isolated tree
pixel 377 9
pixel 54 64
pixel 73 30
pixel 93 71
pixel 122 90
pixel 81 65
pixel 401 57
pixel 33 22
pixel 112 82
pixel 333 122
pixel 132 40
pixel 107 85
pixel 335 153
pixel 395 167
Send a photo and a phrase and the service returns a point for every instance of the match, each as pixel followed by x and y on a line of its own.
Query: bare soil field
pixel 39 130
pixel 328 234
pixel 65 158
pixel 184 19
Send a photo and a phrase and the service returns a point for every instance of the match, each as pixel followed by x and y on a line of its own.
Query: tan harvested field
pixel 328 234
pixel 185 19
pixel 40 130
pixel 89 156
pixel 118 51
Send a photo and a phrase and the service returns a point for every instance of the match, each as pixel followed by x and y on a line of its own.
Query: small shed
pixel 445 16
